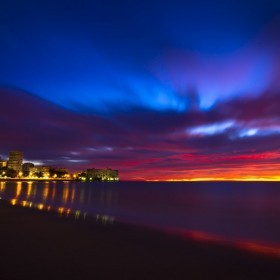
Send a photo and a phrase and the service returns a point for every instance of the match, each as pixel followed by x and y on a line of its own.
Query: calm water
pixel 235 211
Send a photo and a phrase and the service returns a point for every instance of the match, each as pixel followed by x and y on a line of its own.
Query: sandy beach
pixel 42 245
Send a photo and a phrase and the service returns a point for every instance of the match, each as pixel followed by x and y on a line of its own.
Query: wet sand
pixel 41 245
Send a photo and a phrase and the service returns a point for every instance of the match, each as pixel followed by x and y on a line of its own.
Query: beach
pixel 43 245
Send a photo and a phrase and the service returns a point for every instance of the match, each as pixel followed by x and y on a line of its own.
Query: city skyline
pixel 15 168
pixel 172 90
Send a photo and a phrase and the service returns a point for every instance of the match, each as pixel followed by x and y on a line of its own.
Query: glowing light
pixel 60 210
pixel 13 201
pixel 40 206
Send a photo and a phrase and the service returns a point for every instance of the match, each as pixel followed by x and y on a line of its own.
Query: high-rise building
pixel 15 161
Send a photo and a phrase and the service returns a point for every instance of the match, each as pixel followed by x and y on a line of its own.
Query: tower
pixel 15 161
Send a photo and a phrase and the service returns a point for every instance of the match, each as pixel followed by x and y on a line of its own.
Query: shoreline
pixel 50 180
pixel 32 180
pixel 44 245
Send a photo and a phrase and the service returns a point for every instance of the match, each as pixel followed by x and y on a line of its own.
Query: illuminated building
pixel 15 161
pixel 3 163
pixel 110 175
pixel 39 171
pixel 102 174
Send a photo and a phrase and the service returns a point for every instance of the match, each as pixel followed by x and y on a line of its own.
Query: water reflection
pixel 2 186
pixel 73 194
pixel 260 248
pixel 29 189
pixel 82 196
pixel 19 188
pixel 53 192
pixel 104 219
pixel 46 191
pixel 65 193
pixel 65 199
pixel 63 212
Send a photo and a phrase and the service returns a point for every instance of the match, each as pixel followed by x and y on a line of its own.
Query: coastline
pixel 44 245
pixel 33 180
pixel 49 180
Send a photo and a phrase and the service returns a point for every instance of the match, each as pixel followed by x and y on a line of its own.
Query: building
pixel 110 175
pixel 102 174
pixel 15 161
pixel 26 167
pixel 3 163
pixel 39 171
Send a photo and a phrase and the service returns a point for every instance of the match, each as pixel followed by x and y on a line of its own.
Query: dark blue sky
pixel 125 62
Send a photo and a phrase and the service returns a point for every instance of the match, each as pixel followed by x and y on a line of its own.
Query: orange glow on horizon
pixel 247 167
pixel 251 178
pixel 265 172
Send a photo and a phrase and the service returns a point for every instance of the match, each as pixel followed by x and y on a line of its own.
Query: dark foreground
pixel 39 245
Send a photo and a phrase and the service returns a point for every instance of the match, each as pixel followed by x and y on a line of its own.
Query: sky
pixel 160 90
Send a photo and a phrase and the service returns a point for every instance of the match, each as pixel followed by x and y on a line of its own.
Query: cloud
pixel 145 143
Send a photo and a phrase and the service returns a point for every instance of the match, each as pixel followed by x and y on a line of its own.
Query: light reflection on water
pixel 2 186
pixel 45 197
pixel 245 215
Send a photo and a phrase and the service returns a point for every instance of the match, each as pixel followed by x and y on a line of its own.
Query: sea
pixel 237 212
